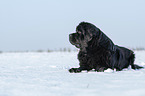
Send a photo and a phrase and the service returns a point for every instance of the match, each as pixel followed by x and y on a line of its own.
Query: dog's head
pixel 88 36
pixel 85 32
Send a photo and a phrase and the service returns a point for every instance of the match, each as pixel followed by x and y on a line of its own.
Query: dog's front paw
pixel 74 70
pixel 71 70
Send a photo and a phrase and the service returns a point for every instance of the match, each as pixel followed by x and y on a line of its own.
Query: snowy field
pixel 46 74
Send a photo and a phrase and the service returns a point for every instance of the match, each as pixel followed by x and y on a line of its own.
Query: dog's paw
pixel 74 70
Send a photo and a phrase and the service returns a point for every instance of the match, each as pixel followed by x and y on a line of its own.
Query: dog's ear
pixel 92 32
pixel 106 43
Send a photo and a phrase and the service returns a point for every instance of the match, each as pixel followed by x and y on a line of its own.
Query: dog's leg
pixel 78 70
pixel 75 70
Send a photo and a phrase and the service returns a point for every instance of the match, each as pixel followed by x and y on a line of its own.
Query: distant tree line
pixel 74 50
pixel 138 48
pixel 57 50
pixel 65 50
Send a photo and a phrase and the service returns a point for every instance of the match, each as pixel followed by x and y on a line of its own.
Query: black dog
pixel 98 52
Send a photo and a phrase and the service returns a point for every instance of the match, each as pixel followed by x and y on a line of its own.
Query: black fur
pixel 98 52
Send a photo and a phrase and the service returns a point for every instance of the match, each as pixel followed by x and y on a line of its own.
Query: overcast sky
pixel 46 24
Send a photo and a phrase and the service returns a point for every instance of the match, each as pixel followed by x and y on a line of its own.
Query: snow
pixel 46 74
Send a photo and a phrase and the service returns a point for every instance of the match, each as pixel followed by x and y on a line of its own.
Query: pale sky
pixel 46 24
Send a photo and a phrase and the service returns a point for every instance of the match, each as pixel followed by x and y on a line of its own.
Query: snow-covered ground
pixel 46 74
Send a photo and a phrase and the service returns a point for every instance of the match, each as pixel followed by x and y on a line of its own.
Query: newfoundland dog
pixel 98 52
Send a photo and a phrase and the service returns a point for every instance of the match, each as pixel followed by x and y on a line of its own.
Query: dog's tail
pixel 134 66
